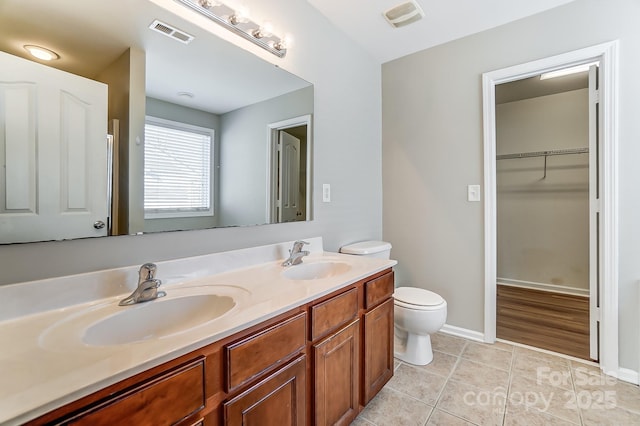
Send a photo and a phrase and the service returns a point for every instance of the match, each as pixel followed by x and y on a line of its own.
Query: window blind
pixel 177 171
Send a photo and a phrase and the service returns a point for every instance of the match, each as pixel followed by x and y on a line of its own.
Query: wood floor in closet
pixel 554 321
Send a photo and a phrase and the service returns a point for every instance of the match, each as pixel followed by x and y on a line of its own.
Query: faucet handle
pixel 147 272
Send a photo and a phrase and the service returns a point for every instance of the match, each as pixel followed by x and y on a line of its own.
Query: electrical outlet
pixel 326 193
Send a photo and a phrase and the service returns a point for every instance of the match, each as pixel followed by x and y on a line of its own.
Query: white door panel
pixel 54 153
pixel 289 177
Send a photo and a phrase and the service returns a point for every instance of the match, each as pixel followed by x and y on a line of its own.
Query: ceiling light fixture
pixel 567 71
pixel 41 52
pixel 238 21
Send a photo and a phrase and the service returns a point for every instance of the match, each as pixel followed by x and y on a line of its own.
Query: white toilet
pixel 417 312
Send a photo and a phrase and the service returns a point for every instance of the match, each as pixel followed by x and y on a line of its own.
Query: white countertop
pixel 45 364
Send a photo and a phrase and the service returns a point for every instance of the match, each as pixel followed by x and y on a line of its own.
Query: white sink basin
pixel 315 270
pixel 156 319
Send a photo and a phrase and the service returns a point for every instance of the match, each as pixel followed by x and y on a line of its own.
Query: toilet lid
pixel 417 296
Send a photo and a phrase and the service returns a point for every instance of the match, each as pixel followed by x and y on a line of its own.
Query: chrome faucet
pixel 147 286
pixel 296 254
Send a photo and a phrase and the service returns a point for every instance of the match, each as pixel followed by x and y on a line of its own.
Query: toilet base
pixel 412 348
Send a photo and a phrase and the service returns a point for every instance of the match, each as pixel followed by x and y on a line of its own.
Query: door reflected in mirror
pixel 206 84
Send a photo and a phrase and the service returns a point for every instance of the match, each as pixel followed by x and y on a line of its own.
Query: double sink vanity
pixel 238 339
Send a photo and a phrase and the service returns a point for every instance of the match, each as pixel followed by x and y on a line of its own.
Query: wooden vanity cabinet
pixel 317 364
pixel 335 348
pixel 377 335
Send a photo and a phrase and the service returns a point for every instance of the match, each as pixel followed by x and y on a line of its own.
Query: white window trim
pixel 148 214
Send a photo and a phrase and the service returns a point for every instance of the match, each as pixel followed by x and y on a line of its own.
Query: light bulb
pixel 266 30
pixel 240 16
pixel 285 43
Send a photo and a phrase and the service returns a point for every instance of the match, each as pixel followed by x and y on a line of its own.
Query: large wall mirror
pixel 201 133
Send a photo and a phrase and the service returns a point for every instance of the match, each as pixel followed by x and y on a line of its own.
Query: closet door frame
pixel 607 55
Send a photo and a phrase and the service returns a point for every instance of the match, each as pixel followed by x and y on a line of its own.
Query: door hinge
pixel 598 314
pixel 596 96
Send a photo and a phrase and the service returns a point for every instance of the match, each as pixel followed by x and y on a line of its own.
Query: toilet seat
pixel 418 299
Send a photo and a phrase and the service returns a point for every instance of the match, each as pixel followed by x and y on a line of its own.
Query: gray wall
pixel 543 222
pixel 244 146
pixel 346 152
pixel 432 148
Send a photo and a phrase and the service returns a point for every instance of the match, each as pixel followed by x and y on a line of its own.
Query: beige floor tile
pixel 551 371
pixel 396 363
pixel 417 383
pixel 392 408
pixel 530 394
pixel 489 355
pixel 519 350
pixel 360 421
pixel 481 376
pixel 596 391
pixel 442 364
pixel 473 404
pixel 502 345
pixel 440 418
pixel 613 417
pixel 449 344
pixel 518 415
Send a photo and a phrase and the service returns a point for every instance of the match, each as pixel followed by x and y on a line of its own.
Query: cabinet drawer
pixel 333 313
pixel 377 290
pixel 265 350
pixel 164 400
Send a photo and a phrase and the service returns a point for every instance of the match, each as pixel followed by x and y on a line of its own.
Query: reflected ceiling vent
pixel 404 14
pixel 172 32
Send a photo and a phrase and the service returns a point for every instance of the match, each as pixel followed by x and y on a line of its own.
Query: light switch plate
pixel 473 192
pixel 326 193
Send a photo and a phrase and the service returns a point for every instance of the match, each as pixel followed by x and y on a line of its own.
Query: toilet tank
pixel 380 249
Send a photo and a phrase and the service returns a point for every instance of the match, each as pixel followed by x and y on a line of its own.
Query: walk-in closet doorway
pixel 543 192
pixel 550 205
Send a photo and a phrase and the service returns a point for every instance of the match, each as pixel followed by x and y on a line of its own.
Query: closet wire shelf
pixel 544 154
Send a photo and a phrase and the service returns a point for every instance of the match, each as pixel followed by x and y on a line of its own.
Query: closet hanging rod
pixel 543 153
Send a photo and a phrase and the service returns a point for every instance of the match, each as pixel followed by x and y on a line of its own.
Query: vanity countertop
pixel 45 364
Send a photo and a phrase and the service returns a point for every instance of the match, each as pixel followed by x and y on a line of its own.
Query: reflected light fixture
pixel 41 52
pixel 238 21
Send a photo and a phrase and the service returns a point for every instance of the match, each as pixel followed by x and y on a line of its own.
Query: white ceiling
pixel 444 20
pixel 90 35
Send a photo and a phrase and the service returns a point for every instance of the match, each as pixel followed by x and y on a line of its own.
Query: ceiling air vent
pixel 172 32
pixel 403 14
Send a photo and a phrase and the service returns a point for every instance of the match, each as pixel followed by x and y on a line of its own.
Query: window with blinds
pixel 177 170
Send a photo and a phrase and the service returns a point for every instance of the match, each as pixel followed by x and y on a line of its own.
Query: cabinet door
pixel 378 349
pixel 278 400
pixel 336 374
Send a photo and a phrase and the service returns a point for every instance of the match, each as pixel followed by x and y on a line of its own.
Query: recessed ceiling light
pixel 41 52
pixel 186 94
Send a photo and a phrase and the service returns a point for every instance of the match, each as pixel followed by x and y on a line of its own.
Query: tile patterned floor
pixel 471 383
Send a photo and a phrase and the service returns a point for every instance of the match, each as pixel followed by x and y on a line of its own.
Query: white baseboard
pixel 544 286
pixel 628 375
pixel 462 332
